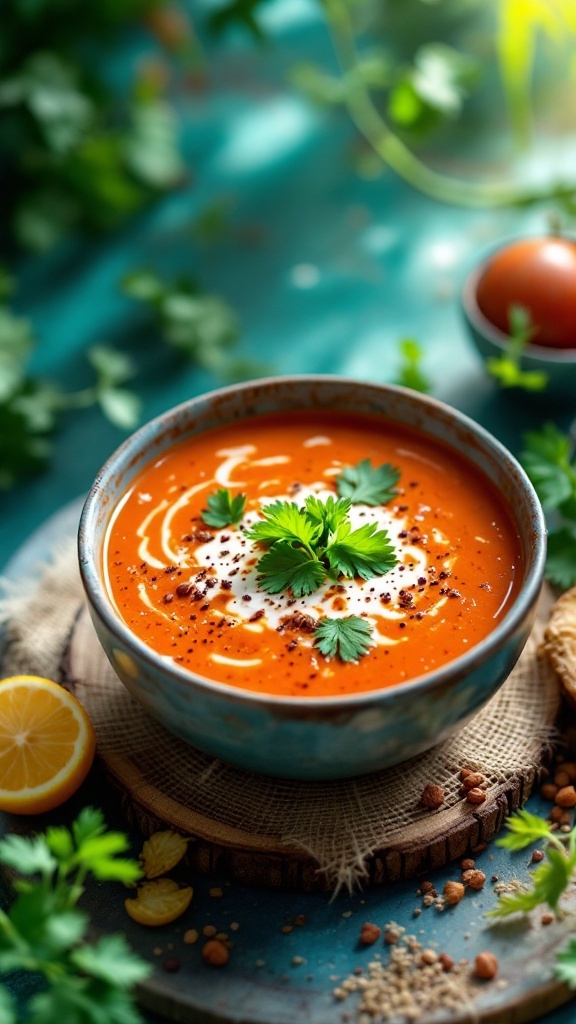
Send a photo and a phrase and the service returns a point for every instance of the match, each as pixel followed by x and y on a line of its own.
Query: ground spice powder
pixel 413 981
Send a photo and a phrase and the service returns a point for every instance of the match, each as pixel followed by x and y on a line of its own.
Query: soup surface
pixel 217 599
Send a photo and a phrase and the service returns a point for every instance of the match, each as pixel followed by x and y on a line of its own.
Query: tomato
pixel 539 274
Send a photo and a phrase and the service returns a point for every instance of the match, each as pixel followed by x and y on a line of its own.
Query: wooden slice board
pixel 249 854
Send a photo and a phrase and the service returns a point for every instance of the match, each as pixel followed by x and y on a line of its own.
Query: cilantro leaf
pixel 507 368
pixel 365 552
pixel 367 486
pixel 410 375
pixel 284 567
pixel 524 828
pixel 97 854
pixel 28 856
pixel 546 459
pixel 111 960
pixel 348 638
pixel 223 509
pixel 7 1007
pixel 327 515
pixel 566 964
pixel 517 903
pixel 284 520
pixel 89 823
pixel 561 558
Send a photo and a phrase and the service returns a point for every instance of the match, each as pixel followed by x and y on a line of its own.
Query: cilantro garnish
pixel 348 638
pixel 223 509
pixel 506 369
pixel 551 877
pixel 550 461
pixel 410 374
pixel 364 485
pixel 45 933
pixel 307 545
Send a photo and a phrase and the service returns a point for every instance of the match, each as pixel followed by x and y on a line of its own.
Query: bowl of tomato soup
pixel 312 577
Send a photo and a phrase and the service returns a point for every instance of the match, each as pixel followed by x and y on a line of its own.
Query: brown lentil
pixel 467 864
pixel 432 796
pixel 548 791
pixel 476 796
pixel 473 780
pixel 486 966
pixel 369 934
pixel 566 797
pixel 215 953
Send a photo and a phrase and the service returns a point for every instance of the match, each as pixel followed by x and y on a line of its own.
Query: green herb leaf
pixel 284 520
pixel 348 638
pixel 223 509
pixel 120 406
pixel 547 460
pixel 367 486
pixel 507 369
pixel 326 515
pixel 566 964
pixel 561 558
pixel 27 856
pixel 284 567
pixel 411 375
pixel 517 903
pixel 524 828
pixel 7 1007
pixel 112 961
pixel 365 552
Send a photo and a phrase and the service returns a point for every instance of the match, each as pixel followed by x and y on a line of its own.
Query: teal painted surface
pixel 326 270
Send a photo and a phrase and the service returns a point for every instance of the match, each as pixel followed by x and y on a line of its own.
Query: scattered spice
pixel 413 982
pixel 453 893
pixel 477 796
pixel 474 878
pixel 486 966
pixel 215 953
pixel 432 796
pixel 566 797
pixel 369 934
pixel 472 780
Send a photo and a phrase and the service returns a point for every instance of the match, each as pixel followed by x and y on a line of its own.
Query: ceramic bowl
pixel 332 737
pixel 559 365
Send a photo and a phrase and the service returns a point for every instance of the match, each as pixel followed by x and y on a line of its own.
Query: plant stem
pixel 396 154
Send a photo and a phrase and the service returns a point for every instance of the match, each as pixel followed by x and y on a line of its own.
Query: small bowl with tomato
pixel 537 275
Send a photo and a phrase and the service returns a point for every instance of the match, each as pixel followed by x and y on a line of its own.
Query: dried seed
pixel 478 796
pixel 474 878
pixel 432 796
pixel 453 893
pixel 369 934
pixel 566 797
pixel 486 966
pixel 215 953
pixel 473 780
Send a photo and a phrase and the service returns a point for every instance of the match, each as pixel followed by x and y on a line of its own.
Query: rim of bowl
pixel 429 681
pixel 540 353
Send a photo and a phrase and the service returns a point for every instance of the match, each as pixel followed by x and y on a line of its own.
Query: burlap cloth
pixel 339 824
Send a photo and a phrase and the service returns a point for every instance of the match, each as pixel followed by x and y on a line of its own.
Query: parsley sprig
pixel 348 638
pixel 223 508
pixel 549 458
pixel 306 545
pixel 553 874
pixel 507 368
pixel 550 879
pixel 45 932
pixel 367 485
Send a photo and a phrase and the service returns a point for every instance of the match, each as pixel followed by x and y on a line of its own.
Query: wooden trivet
pixel 151 769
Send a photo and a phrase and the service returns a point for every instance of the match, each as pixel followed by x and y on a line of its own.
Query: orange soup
pixel 317 583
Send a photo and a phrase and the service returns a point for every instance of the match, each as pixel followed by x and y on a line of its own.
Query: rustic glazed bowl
pixel 332 737
pixel 558 364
